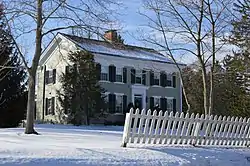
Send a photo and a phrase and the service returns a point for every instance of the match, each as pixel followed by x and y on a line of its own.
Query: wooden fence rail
pixel 185 129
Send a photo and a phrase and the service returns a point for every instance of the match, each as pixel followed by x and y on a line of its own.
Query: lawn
pixel 100 145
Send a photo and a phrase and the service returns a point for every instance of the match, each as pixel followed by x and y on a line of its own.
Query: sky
pixel 130 24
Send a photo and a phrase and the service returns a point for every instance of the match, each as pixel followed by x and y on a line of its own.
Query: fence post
pixel 196 132
pixel 126 129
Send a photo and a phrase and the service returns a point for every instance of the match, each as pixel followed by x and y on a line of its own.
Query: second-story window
pixel 156 78
pixel 138 77
pixel 169 80
pixel 50 76
pixel 104 73
pixel 119 72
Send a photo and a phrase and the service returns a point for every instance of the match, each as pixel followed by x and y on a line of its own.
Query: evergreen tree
pixel 241 38
pixel 12 77
pixel 231 98
pixel 192 80
pixel 81 97
pixel 241 26
pixel 231 95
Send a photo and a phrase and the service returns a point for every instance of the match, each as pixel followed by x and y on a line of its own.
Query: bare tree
pixel 40 19
pixel 189 27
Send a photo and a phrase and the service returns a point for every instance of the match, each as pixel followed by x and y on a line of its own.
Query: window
pixel 157 101
pixel 50 76
pixel 169 80
pixel 169 105
pixel 138 77
pixel 104 73
pixel 119 72
pixel 50 104
pixel 105 97
pixel 156 78
pixel 119 104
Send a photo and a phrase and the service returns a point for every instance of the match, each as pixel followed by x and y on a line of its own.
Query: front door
pixel 139 96
pixel 138 101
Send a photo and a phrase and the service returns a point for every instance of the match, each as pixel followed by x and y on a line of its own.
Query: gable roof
pixel 118 50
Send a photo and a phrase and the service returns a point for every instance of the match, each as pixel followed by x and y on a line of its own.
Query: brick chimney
pixel 111 35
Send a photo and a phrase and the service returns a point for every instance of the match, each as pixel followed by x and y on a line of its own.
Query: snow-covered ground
pixel 60 145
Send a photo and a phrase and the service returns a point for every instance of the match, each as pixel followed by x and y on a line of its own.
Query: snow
pixel 130 53
pixel 100 145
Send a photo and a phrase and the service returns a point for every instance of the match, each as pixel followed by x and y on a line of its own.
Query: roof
pixel 119 50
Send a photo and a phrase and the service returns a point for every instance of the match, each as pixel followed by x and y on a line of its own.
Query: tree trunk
pixel 211 91
pixel 32 72
pixel 213 64
pixel 30 107
pixel 184 93
pixel 205 98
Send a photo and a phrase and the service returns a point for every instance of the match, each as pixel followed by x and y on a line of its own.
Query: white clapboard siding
pixel 185 129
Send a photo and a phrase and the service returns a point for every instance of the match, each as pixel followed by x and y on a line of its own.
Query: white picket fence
pixel 184 129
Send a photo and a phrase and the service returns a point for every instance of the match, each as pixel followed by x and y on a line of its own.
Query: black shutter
pixel 151 104
pixel 53 106
pixel 54 76
pixel 143 77
pixel 151 78
pixel 112 101
pixel 98 71
pixel 67 70
pixel 132 76
pixel 163 104
pixel 110 74
pixel 114 73
pixel 124 104
pixel 75 67
pixel 174 105
pixel 174 81
pixel 163 79
pixel 46 77
pixel 46 106
pixel 124 75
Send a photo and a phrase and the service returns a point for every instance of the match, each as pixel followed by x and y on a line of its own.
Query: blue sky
pixel 130 22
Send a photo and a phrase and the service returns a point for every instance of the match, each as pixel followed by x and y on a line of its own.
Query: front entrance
pixel 139 96
pixel 138 101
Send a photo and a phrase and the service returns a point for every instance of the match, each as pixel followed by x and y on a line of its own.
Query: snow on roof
pixel 128 51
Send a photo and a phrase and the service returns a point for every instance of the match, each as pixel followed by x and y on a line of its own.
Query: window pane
pixel 156 101
pixel 50 73
pixel 138 80
pixel 118 78
pixel 170 104
pixel 156 75
pixel 104 76
pixel 119 104
pixel 169 83
pixel 156 81
pixel 104 69
pixel 118 71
